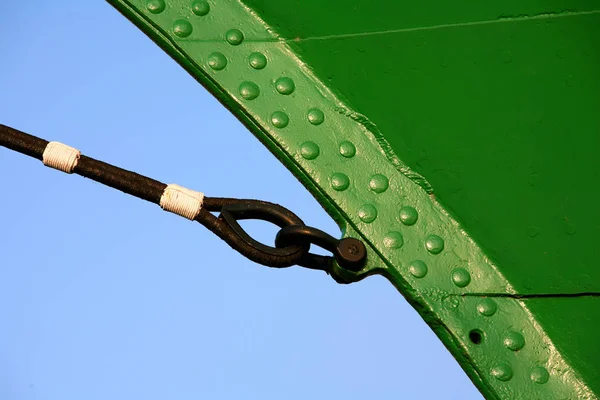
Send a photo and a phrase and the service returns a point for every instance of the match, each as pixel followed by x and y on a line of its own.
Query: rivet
pixel 217 61
pixel 434 244
pixel 182 28
pixel 418 269
pixel 514 341
pixel 257 60
pixel 502 372
pixel 347 149
pixel 393 240
pixel 367 213
pixel 309 150
pixel 539 375
pixel 408 215
pixel 285 85
pixel 279 119
pixel 379 183
pixel 461 277
pixel 249 90
pixel 234 37
pixel 315 116
pixel 155 6
pixel 487 307
pixel 200 7
pixel 340 181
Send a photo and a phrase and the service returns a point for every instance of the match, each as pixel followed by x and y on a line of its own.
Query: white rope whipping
pixel 175 198
pixel 182 201
pixel 61 157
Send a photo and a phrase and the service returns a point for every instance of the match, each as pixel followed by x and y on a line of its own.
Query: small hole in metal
pixel 476 336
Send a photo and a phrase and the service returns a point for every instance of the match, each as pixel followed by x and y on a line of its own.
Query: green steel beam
pixel 342 157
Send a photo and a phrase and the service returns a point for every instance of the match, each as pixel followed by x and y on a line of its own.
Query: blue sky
pixel 104 296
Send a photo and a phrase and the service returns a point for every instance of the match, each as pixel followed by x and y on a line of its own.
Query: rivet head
pixel 347 149
pixel 502 371
pixel 200 7
pixel 315 116
pixel 514 341
pixel 285 85
pixel 487 307
pixel 379 183
pixel 393 240
pixel 408 215
pixel 461 277
pixel 539 375
pixel 418 269
pixel 340 181
pixel 249 90
pixel 279 119
pixel 257 60
pixel 217 61
pixel 155 6
pixel 234 37
pixel 434 244
pixel 309 150
pixel 182 28
pixel 367 213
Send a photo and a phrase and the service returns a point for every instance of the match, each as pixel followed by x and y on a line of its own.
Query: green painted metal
pixel 457 141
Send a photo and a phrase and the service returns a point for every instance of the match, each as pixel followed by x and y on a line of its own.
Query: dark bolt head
pixel 351 254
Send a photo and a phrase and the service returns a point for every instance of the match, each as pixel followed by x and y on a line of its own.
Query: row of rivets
pixel 347 149
pixel 513 341
pixel 378 183
pixel 503 372
pixel 199 7
pixel 284 86
pixel 309 150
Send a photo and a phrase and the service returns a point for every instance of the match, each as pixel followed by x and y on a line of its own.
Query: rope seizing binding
pixel 182 201
pixel 61 157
